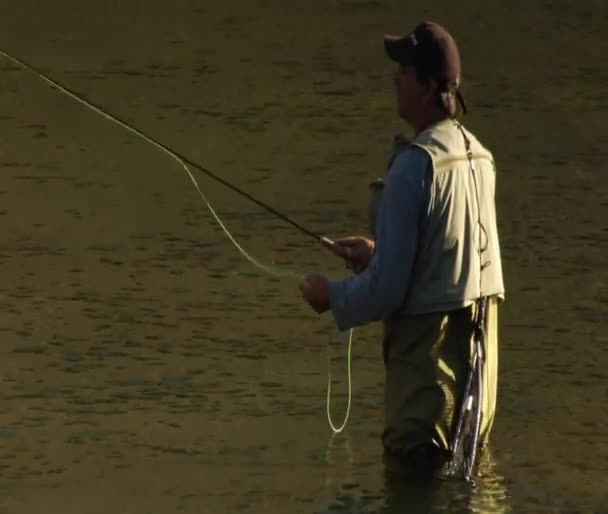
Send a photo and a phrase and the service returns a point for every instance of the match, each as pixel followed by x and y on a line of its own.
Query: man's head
pixel 428 76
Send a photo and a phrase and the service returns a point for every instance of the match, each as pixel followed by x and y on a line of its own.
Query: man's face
pixel 412 96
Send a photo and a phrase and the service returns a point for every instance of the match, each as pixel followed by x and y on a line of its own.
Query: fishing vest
pixel 449 270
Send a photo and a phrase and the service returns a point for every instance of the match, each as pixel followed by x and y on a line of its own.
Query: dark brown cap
pixel 432 51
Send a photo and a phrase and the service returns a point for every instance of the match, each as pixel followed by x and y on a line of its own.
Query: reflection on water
pixel 147 368
pixel 487 494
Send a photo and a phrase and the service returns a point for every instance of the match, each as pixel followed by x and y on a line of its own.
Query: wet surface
pixel 148 368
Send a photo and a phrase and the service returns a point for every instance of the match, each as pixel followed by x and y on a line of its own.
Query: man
pixel 435 255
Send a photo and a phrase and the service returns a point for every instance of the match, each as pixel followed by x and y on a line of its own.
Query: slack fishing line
pixel 185 163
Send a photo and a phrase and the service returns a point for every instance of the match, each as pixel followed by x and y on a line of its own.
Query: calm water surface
pixel 148 368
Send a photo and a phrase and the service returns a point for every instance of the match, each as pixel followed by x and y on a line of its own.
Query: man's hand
pixel 357 251
pixel 315 290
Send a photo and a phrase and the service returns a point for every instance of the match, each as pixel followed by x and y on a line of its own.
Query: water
pixel 148 368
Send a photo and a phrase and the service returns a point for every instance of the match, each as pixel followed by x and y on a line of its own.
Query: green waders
pixel 427 359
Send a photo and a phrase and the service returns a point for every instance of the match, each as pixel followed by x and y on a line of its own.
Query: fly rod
pixel 327 242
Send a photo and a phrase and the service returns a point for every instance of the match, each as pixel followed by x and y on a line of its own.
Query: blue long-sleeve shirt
pixel 380 289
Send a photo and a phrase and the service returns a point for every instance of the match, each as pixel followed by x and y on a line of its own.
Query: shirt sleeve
pixel 380 289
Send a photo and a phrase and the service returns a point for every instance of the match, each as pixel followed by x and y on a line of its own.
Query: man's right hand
pixel 357 251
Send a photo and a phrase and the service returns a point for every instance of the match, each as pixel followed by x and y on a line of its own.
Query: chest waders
pixel 465 442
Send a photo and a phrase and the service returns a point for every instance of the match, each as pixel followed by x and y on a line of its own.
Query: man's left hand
pixel 315 290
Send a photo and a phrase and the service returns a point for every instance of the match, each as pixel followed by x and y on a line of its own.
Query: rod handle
pixel 333 247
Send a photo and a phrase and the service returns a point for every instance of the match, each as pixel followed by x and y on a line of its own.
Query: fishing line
pixel 339 429
pixel 184 162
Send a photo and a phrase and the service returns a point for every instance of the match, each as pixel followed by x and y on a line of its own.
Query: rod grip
pixel 333 247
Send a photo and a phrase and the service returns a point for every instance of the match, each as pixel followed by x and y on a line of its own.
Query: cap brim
pixel 397 48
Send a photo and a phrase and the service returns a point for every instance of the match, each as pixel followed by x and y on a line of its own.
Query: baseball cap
pixel 433 52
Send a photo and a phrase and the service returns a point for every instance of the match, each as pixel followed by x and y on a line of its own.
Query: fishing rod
pixel 184 161
pixel 327 242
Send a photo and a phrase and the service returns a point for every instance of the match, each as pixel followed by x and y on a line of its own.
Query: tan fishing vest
pixel 450 271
